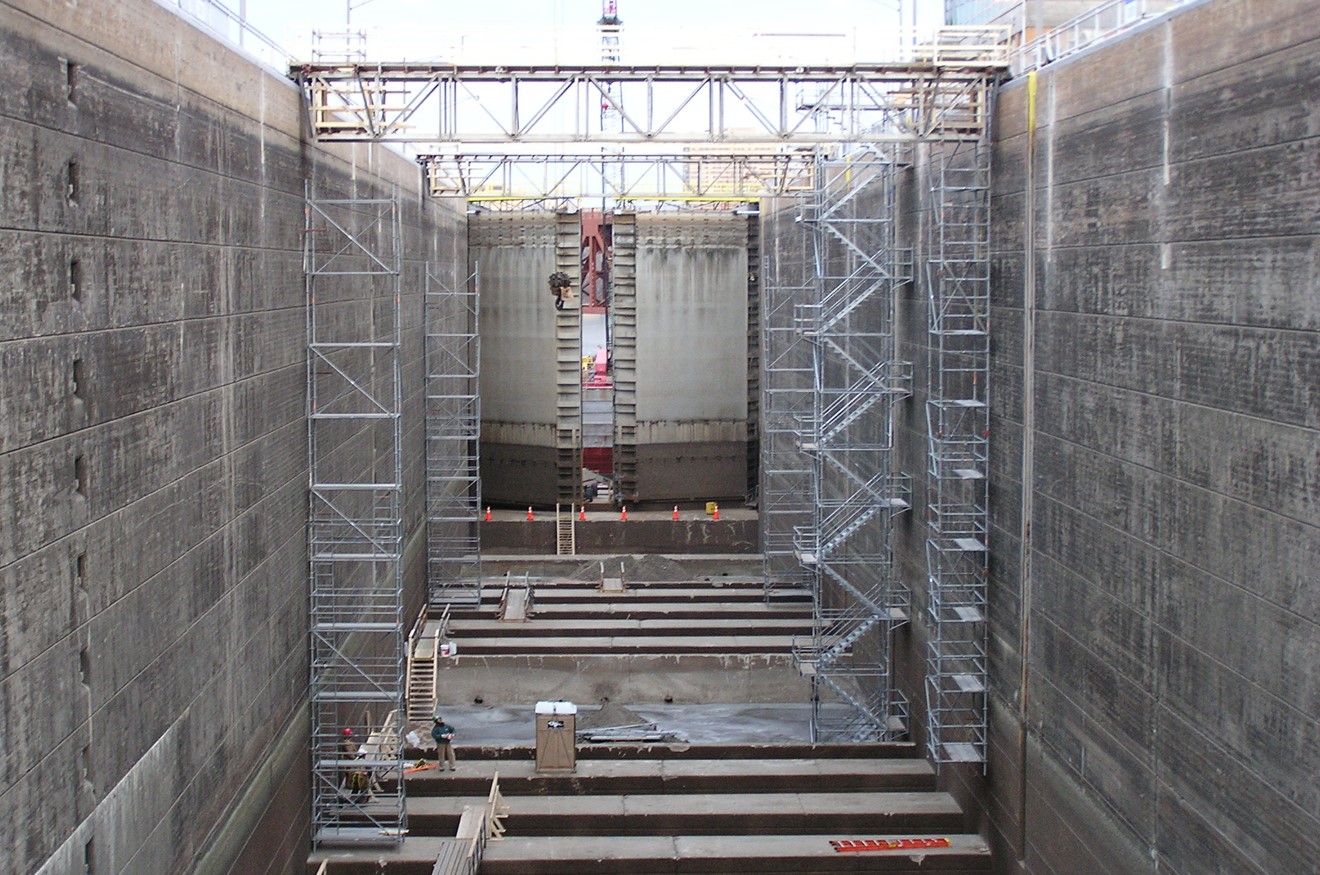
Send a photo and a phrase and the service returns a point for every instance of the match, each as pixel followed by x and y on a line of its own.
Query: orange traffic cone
pixel 582 513
pixel 717 512
pixel 623 515
pixel 529 513
pixel 487 513
pixel 675 511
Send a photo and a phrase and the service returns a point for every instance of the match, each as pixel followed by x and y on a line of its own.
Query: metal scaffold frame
pixel 453 433
pixel 848 438
pixel 693 176
pixel 958 435
pixel 680 105
pixel 353 271
pixel 827 490
pixel 788 393
pixel 568 363
pixel 623 330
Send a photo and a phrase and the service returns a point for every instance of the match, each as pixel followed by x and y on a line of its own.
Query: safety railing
pixel 232 27
pixel 476 827
pixel 1091 27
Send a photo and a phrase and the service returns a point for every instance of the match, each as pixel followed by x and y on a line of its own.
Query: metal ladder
pixel 565 532
pixel 624 307
pixel 421 679
pixel 568 363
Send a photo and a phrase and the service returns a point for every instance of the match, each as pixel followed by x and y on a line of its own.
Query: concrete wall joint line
pixel 1247 506
pixel 1101 523
pixel 1163 320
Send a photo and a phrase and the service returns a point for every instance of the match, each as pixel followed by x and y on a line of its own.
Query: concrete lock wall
pixel 691 356
pixel 153 444
pixel 1165 417
pixel 515 255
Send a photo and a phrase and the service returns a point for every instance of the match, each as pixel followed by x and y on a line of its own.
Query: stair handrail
pixel 496 810
pixel 435 659
pixel 504 596
pixel 476 827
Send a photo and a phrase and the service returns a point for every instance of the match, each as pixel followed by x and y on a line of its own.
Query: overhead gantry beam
pixel 623 176
pixel 473 105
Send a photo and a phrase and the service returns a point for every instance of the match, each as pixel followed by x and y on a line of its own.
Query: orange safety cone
pixel 675 511
pixel 582 513
pixel 487 513
pixel 623 515
pixel 529 513
pixel 717 512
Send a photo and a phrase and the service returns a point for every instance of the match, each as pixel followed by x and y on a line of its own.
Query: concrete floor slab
pixel 697 724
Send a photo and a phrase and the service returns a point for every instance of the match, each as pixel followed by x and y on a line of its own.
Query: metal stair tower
pixel 847 438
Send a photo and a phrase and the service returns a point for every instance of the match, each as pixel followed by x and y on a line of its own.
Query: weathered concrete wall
pixel 515 255
pixel 153 456
pixel 691 356
pixel 1164 415
pixel 1154 610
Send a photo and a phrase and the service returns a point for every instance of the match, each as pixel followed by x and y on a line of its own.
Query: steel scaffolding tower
pixel 353 269
pixel 787 398
pixel 453 431
pixel 958 429
pixel 848 439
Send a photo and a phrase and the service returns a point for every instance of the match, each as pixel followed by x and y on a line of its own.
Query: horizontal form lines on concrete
pixel 1157 618
pixel 1301 468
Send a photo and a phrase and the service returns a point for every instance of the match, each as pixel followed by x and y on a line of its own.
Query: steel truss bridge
pixel 649 132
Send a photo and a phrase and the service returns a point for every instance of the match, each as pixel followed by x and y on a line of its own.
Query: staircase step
pixel 763 854
pixel 702 814
pixel 610 855
pixel 539 625
pixel 624 644
pixel 562 594
pixel 644 611
pixel 614 777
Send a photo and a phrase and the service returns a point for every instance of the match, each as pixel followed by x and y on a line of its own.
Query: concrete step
pixel 646 611
pixel 708 855
pixel 642 594
pixel 539 625
pixel 930 813
pixel 721 855
pixel 622 645
pixel 615 777
pixel 509 756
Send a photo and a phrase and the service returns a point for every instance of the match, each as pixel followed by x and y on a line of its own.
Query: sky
pixel 428 29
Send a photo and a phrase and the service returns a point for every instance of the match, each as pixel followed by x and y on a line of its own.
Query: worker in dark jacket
pixel 443 734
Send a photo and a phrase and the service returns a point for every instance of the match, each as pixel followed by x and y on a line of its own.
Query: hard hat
pixel 348 732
